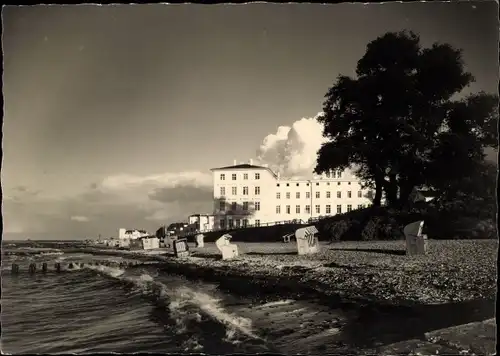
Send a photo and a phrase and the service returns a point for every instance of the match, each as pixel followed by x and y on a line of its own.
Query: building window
pixel 257 205
pixel 257 190
pixel 278 195
pixel 338 183
pixel 222 205
pixel 317 195
pixel 288 195
pixel 245 222
pixel 328 195
pixel 234 190
pixel 308 209
pixel 231 225
pixel 233 206
pixel 277 184
pixel 222 177
pixel 348 183
pixel 297 184
pixel 317 183
pixel 278 209
pixel 349 207
pixel 245 190
pixel 339 209
pixel 360 194
pixel 238 222
pixel 308 195
pixel 245 176
pixel 360 206
pixel 328 174
pixel 233 176
pixel 222 223
pixel 288 209
pixel 257 222
pixel 307 184
pixel 339 175
pixel 339 195
pixel 297 195
pixel 222 191
pixel 297 209
pixel 328 209
pixel 318 209
pixel 245 205
pixel 349 194
pixel 257 175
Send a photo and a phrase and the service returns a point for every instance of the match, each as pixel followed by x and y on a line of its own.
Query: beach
pixel 267 300
pixel 452 271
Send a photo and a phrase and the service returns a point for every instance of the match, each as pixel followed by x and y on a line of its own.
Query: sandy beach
pixel 452 271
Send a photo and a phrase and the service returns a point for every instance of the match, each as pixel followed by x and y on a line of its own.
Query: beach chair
pixel 227 249
pixel 416 242
pixel 307 241
pixel 287 237
pixel 200 240
pixel 181 248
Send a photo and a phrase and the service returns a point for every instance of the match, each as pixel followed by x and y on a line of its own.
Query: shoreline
pixel 352 272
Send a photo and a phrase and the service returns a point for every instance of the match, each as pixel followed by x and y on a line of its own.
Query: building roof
pixel 244 166
pixel 240 166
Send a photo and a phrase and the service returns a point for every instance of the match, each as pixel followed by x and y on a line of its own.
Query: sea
pixel 132 309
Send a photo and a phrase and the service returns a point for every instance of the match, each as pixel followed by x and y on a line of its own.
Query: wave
pixel 186 305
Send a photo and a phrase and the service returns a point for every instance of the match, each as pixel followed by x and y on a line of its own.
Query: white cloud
pixel 127 181
pixel 149 201
pixel 80 218
pixel 292 150
pixel 116 201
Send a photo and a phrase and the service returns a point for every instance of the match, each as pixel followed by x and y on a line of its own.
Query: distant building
pixel 201 222
pixel 246 194
pixel 150 242
pixel 177 228
pixel 131 234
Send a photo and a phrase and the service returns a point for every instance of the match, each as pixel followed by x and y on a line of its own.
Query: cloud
pixel 135 201
pixel 148 201
pixel 80 218
pixel 292 150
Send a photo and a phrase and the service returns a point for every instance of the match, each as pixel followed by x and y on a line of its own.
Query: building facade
pixel 201 222
pixel 246 194
pixel 131 234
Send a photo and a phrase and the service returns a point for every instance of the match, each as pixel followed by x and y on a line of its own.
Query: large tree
pixel 395 120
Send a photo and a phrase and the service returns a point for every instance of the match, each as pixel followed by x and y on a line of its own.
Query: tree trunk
pixel 405 192
pixel 379 186
pixel 391 190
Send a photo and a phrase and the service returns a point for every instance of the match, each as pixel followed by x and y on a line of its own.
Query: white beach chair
pixel 200 240
pixel 287 237
pixel 416 242
pixel 227 249
pixel 307 241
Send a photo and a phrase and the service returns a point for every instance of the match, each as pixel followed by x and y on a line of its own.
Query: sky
pixel 114 115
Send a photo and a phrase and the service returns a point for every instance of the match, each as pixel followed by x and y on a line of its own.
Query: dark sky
pixel 97 92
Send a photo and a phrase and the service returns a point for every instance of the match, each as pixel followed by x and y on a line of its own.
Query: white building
pixel 246 194
pixel 201 222
pixel 131 234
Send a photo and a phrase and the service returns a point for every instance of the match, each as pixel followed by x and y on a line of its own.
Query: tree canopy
pixel 396 124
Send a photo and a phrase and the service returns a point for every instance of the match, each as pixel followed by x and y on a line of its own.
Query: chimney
pixel 234 163
pixel 251 162
pixel 279 175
